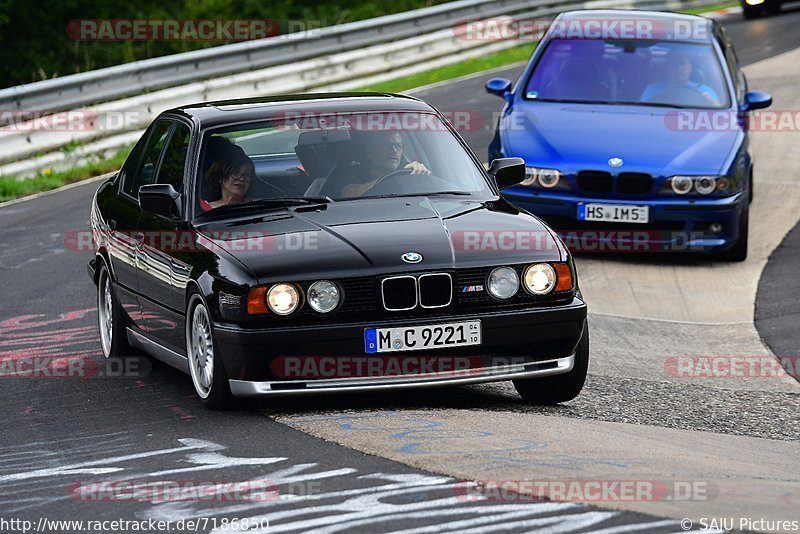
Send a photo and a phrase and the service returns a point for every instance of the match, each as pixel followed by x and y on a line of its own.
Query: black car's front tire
pixel 111 318
pixel 558 388
pixel 205 366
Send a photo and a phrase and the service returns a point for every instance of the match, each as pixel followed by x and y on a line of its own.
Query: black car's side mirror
pixel 757 100
pixel 161 199
pixel 499 86
pixel 507 171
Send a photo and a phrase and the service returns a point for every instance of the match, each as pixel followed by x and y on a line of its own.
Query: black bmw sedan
pixel 330 243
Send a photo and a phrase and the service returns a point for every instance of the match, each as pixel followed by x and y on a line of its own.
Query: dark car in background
pixel 752 9
pixel 330 243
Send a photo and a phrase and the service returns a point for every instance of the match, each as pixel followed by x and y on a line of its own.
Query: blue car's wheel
pixel 739 251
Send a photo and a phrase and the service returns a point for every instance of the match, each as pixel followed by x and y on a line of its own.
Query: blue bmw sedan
pixel 634 120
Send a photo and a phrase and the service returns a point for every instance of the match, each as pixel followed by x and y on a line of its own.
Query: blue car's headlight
pixel 545 179
pixel 701 185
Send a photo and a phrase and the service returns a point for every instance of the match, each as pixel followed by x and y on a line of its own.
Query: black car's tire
pixel 739 251
pixel 558 388
pixel 751 12
pixel 111 318
pixel 205 366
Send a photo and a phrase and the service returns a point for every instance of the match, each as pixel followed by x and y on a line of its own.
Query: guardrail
pixel 338 57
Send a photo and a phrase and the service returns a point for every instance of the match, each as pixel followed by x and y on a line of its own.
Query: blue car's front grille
pixel 627 183
pixel 595 181
pixel 634 183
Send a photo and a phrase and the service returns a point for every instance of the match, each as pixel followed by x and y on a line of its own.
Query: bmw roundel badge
pixel 412 257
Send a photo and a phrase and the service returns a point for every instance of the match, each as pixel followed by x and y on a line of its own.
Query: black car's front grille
pixel 435 290
pixel 399 293
pixel 359 293
pixel 634 183
pixel 449 294
pixel 595 181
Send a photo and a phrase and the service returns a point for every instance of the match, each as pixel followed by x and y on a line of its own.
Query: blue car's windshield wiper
pixel 617 103
pixel 261 203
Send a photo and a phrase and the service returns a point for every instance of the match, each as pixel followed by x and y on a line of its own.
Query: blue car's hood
pixel 572 137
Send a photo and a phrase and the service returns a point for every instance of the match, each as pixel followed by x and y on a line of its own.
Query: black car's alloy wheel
pixel 111 318
pixel 208 373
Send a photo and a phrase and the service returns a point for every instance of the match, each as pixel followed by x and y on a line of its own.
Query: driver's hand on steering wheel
pixel 713 101
pixel 417 168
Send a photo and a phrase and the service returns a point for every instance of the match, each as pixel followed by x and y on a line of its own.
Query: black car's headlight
pixel 324 296
pixel 539 278
pixel 545 179
pixel 503 283
pixel 283 299
pixel 701 185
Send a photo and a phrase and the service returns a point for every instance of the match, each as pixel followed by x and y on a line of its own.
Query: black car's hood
pixel 360 237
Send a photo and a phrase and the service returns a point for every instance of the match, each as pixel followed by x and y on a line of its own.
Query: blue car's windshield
pixel 658 73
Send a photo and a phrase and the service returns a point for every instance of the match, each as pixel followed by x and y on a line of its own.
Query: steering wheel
pixel 685 94
pixel 386 184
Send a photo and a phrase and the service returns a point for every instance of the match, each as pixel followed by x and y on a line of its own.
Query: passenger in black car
pixel 229 176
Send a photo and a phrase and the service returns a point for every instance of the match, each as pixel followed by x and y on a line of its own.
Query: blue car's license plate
pixel 613 212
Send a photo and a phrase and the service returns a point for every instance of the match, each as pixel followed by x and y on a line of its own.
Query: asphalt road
pixel 63 433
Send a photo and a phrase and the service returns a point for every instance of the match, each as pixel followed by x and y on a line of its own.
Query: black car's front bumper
pixel 523 343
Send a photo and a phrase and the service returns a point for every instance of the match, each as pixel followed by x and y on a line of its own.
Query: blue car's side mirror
pixel 499 86
pixel 757 100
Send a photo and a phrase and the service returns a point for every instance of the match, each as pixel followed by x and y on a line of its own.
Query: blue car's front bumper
pixel 674 224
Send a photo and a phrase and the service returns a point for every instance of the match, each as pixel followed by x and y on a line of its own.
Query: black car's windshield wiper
pixel 270 203
pixel 429 194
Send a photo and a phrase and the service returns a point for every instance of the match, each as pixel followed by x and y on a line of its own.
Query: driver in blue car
pixel 679 70
pixel 383 156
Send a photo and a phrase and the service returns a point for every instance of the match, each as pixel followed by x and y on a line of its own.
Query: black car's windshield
pixel 637 72
pixel 335 157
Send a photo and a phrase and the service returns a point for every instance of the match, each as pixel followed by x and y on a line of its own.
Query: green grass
pixel 456 70
pixel 706 9
pixel 11 188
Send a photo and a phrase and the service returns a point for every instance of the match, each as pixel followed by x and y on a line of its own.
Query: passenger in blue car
pixel 680 86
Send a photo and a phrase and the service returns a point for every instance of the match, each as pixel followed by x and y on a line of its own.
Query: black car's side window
pixel 172 166
pixel 145 173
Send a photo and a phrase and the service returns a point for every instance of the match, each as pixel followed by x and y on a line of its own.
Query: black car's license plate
pixel 433 336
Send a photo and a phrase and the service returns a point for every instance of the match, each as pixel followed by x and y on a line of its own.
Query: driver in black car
pixel 383 155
